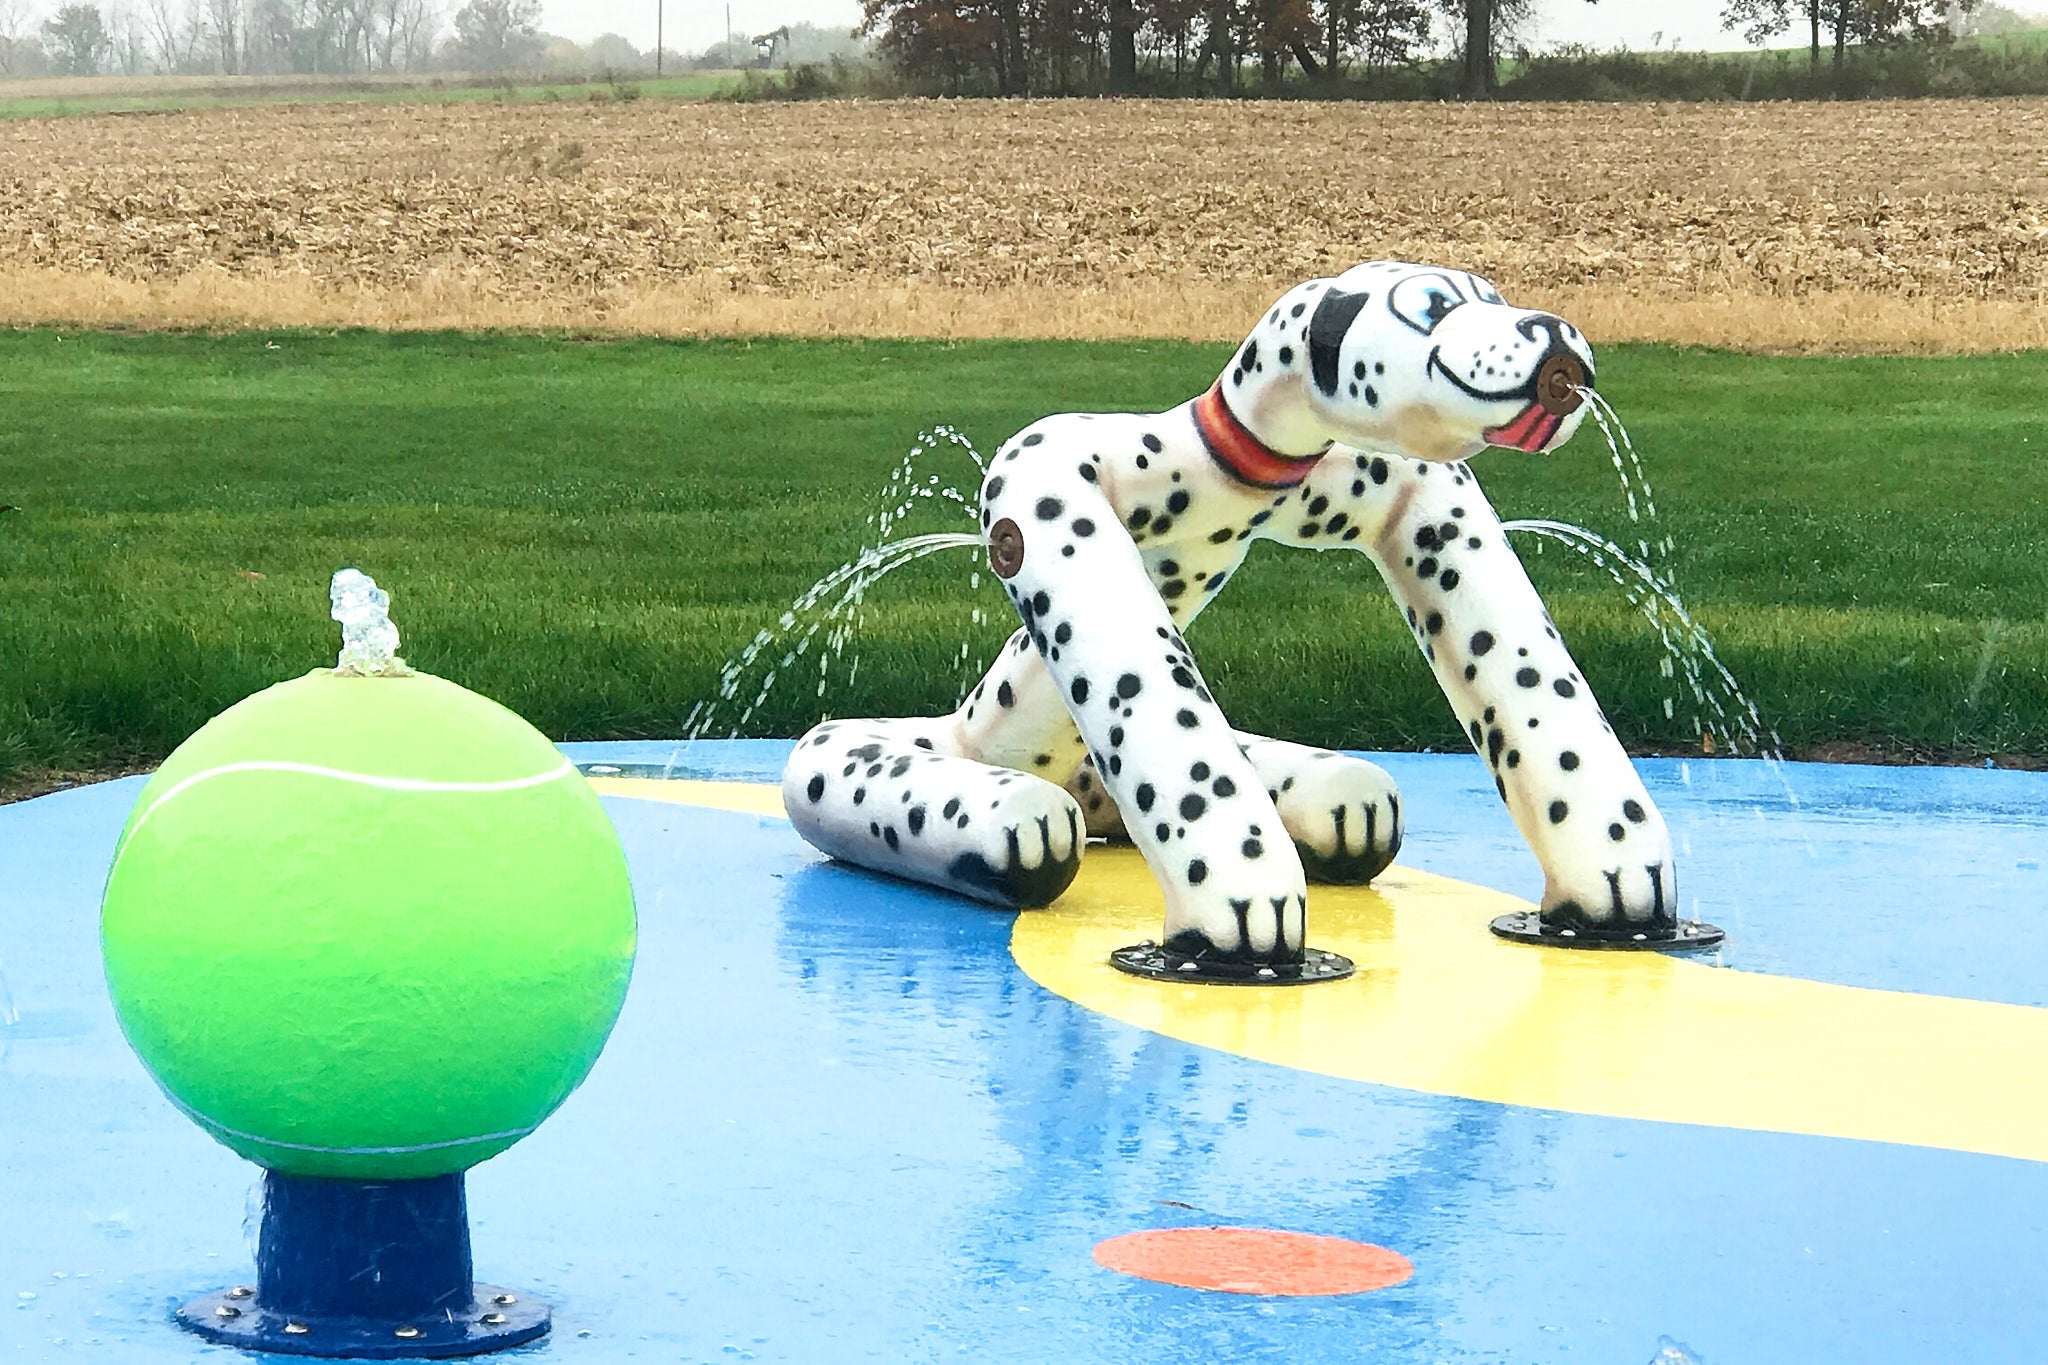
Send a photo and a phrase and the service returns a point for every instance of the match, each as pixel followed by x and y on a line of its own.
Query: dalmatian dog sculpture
pixel 1344 422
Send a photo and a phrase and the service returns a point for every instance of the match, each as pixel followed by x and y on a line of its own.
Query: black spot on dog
pixel 1335 312
pixel 816 789
pixel 1079 691
pixel 1558 811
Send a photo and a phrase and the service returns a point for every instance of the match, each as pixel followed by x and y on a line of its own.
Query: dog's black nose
pixel 1561 373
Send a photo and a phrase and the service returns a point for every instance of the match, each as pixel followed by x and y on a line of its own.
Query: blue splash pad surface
pixel 837 1123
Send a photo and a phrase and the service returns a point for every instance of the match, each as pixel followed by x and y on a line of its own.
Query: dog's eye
pixel 1422 301
pixel 1483 290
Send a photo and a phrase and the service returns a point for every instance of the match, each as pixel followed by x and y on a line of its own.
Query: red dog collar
pixel 1248 459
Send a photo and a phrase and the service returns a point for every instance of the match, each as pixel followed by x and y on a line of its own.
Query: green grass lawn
pixel 239 91
pixel 586 530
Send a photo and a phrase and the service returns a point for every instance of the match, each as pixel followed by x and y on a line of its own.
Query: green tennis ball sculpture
pixel 367 929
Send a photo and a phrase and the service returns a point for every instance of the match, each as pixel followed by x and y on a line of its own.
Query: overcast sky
pixel 696 24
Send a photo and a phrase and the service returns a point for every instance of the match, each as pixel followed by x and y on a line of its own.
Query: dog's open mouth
pixel 1530 431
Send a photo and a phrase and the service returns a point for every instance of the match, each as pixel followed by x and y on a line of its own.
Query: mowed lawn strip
pixel 587 531
pixel 146 95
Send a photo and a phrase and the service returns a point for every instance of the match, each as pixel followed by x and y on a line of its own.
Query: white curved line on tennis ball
pixel 398 784
pixel 216 1126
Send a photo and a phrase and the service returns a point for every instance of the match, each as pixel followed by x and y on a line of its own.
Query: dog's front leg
pixel 1191 801
pixel 1605 852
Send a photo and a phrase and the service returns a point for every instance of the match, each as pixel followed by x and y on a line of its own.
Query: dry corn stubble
pixel 1909 225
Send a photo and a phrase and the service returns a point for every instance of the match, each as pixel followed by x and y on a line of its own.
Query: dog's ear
pixel 1326 328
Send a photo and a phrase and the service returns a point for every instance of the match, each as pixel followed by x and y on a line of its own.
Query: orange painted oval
pixel 1254 1261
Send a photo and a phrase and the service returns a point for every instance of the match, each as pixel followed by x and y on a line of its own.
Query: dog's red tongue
pixel 1532 426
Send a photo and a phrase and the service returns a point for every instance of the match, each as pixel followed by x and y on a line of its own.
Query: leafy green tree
pixel 1485 26
pixel 497 35
pixel 1994 20
pixel 77 39
pixel 1384 32
pixel 1877 22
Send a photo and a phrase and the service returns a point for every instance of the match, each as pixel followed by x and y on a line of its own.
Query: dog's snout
pixel 1561 374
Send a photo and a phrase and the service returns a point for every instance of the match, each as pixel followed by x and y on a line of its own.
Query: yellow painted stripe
pixel 1443 1007
pixel 744 798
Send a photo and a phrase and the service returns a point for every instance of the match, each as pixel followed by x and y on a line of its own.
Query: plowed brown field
pixel 1906 225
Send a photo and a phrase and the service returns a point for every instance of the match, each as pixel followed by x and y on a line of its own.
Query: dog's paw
pixel 1245 925
pixel 872 796
pixel 1619 895
pixel 1344 816
pixel 1026 847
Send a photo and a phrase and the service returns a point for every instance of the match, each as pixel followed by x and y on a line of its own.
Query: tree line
pixel 338 37
pixel 1226 47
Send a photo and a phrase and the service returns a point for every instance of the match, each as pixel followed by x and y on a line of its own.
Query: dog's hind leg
pixel 888 796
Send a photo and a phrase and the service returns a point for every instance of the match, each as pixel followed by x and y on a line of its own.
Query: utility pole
pixel 657 38
pixel 728 34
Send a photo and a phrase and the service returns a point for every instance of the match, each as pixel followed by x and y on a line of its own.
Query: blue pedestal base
pixel 368 1271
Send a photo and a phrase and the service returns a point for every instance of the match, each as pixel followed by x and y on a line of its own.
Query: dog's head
pixel 1420 361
